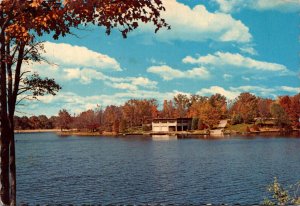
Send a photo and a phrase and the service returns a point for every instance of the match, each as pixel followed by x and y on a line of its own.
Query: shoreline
pixel 19 131
pixel 183 134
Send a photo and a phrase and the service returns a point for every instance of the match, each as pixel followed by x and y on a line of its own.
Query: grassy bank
pixel 238 128
pixel 229 130
pixel 36 130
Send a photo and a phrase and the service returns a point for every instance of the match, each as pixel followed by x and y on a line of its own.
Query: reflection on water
pixel 164 137
pixel 139 170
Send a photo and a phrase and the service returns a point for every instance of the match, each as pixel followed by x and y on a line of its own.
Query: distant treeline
pixel 205 111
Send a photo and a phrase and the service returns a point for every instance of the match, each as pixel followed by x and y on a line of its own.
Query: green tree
pixel 181 105
pixel 236 119
pixel 281 118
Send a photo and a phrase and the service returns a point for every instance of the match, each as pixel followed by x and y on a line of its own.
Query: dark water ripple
pixel 137 170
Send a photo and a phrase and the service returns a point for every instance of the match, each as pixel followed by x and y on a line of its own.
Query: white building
pixel 171 124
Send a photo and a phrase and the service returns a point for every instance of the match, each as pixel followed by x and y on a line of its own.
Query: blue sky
pixel 214 46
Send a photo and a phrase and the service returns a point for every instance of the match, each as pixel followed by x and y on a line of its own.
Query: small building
pixel 171 124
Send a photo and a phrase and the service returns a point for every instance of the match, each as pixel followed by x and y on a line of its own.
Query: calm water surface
pixel 137 170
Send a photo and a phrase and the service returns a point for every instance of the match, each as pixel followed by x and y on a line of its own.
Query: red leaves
pixel 291 106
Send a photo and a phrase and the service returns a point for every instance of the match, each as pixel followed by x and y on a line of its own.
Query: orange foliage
pixel 246 106
pixel 24 19
pixel 291 106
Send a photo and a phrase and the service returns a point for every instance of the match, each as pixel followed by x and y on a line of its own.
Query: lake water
pixel 139 170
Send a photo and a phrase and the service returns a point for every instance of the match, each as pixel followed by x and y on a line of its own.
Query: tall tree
pixel 21 21
pixel 181 105
pixel 196 102
pixel 45 123
pixel 291 106
pixel 35 122
pixel 263 106
pixel 139 111
pixel 111 115
pixel 88 120
pixel 209 114
pixel 245 105
pixel 206 113
pixel 129 113
pixel 64 119
pixel 168 110
pixel 295 107
pixel 219 102
pixel 281 117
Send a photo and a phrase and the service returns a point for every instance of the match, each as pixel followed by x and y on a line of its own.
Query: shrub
pixel 281 196
pixel 236 119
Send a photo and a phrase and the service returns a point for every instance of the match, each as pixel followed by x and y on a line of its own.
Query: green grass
pixel 134 130
pixel 239 127
pixel 200 132
pixel 266 122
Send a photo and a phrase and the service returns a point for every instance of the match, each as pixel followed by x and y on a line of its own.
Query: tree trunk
pixel 4 179
pixel 12 98
pixel 12 168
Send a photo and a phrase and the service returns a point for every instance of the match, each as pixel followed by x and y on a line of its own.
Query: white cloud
pixel 216 89
pixel 236 60
pixel 87 68
pixel 144 82
pixel 248 50
pixel 258 90
pixel 233 92
pixel 86 76
pixel 227 76
pixel 72 73
pixel 280 5
pixel 157 62
pixel 230 93
pixel 69 62
pixel 198 24
pixel 78 56
pixel 246 78
pixel 168 73
pixel 125 86
pixel 226 6
pixel 290 89
pixel 131 83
